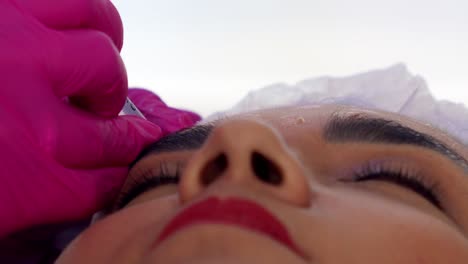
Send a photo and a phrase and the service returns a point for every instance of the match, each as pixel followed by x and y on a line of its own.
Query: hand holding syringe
pixel 60 163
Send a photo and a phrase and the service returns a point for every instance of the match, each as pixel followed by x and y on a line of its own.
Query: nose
pixel 248 154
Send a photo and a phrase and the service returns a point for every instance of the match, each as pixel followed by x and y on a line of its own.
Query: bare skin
pixel 330 218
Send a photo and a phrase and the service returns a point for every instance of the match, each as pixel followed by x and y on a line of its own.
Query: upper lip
pixel 231 211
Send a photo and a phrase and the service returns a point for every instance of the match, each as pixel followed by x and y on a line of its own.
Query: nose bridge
pixel 246 152
pixel 245 142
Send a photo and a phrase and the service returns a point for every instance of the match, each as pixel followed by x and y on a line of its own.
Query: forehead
pixel 293 122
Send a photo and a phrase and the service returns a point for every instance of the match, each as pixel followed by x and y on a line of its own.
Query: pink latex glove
pixel 169 119
pixel 60 162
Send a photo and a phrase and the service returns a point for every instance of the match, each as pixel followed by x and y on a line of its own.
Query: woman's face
pixel 327 184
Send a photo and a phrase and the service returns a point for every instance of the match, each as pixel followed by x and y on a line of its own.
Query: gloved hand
pixel 64 151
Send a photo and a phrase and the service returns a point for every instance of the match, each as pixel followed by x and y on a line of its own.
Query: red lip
pixel 233 211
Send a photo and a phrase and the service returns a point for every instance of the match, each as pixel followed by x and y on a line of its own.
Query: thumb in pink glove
pixel 59 162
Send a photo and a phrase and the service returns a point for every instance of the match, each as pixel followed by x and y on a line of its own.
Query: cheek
pixel 349 226
pixel 121 237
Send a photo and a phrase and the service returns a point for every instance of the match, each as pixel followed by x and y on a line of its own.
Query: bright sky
pixel 205 55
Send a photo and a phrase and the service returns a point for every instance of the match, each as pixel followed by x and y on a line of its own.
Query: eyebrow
pixel 188 139
pixel 340 128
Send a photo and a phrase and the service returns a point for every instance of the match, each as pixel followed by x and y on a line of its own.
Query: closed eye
pixel 148 179
pixel 406 181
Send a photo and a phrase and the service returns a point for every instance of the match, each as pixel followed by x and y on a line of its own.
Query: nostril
pixel 266 170
pixel 213 169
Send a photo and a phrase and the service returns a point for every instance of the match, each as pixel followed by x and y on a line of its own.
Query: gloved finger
pixel 84 192
pixel 85 66
pixel 155 110
pixel 75 194
pixel 88 142
pixel 99 15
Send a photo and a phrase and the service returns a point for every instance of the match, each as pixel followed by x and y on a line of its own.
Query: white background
pixel 205 55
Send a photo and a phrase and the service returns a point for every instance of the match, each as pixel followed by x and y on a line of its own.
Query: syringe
pixel 130 108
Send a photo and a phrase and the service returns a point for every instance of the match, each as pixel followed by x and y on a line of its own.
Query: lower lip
pixel 236 212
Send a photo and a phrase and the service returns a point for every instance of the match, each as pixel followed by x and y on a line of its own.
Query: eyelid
pixel 405 173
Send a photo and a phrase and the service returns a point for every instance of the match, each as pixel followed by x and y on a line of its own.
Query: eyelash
pixel 149 178
pixel 401 176
pixel 154 177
